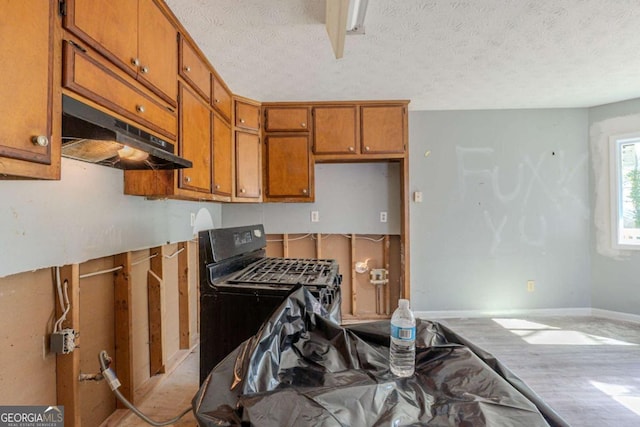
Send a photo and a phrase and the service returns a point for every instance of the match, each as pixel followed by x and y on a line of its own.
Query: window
pixel 625 191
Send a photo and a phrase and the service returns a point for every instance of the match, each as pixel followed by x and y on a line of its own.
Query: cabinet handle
pixel 304 125
pixel 187 179
pixel 140 108
pixel 144 70
pixel 242 190
pixel 366 148
pixel 241 120
pixel 304 191
pixel 217 186
pixel 187 69
pixel 135 62
pixel 216 100
pixel 352 149
pixel 40 140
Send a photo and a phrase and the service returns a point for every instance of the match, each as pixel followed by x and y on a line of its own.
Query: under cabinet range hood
pixel 93 136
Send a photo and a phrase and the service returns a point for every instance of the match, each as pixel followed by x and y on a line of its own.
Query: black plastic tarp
pixel 301 369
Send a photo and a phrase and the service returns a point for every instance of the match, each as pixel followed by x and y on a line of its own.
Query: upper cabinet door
pixel 247 165
pixel 335 130
pixel 247 116
pixel 194 70
pixel 108 26
pixel 133 34
pixel 383 129
pixel 286 119
pixel 221 157
pixel 26 97
pixel 157 50
pixel 195 141
pixel 220 98
pixel 288 167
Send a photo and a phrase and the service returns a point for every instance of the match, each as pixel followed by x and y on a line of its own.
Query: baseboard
pixel 449 314
pixel 615 315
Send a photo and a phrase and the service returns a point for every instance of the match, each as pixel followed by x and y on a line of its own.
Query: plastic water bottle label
pixel 405 334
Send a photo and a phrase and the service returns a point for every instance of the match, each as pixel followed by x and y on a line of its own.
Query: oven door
pixel 230 315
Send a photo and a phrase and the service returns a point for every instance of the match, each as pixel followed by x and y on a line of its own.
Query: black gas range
pixel 240 287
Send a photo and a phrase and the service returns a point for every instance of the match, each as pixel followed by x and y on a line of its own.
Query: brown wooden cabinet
pixel 383 129
pixel 95 78
pixel 195 141
pixel 27 144
pixel 248 165
pixel 335 130
pixel 284 119
pixel 222 156
pixel 194 70
pixel 247 116
pixel 288 168
pixel 220 97
pixel 136 35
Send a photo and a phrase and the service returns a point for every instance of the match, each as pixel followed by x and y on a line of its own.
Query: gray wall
pixel 505 201
pixel 615 274
pixel 85 216
pixel 349 199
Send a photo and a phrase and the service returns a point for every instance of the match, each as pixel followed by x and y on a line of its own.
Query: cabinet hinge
pixel 62 7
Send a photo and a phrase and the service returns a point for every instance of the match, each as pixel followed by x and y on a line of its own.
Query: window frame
pixel 615 180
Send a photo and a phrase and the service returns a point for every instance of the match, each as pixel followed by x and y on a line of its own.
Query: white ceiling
pixel 440 54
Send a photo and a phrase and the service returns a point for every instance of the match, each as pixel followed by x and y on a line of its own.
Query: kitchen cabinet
pixel 195 141
pixel 279 119
pixel 28 147
pixel 220 97
pixel 222 156
pixel 247 116
pixel 383 129
pixel 248 165
pixel 95 78
pixel 288 168
pixel 194 70
pixel 136 35
pixel 335 130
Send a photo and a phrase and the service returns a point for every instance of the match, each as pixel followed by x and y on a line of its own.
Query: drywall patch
pixel 599 134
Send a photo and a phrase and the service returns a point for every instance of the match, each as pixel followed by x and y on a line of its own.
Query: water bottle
pixel 402 353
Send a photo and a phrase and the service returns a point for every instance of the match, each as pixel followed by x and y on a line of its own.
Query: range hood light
pixel 132 154
pixel 96 137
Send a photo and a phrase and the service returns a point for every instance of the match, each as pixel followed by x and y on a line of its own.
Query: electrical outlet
pixel 417 196
pixel 315 216
pixel 531 285
pixel 383 216
pixel 193 219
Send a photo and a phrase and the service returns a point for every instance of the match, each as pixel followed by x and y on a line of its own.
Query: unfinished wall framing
pixel 360 298
pixel 110 304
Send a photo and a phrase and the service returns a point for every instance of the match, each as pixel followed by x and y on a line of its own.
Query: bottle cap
pixel 403 303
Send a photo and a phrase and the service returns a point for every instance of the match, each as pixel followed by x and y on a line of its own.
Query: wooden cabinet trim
pixel 69 81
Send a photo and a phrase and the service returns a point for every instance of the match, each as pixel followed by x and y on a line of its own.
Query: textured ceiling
pixel 440 54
